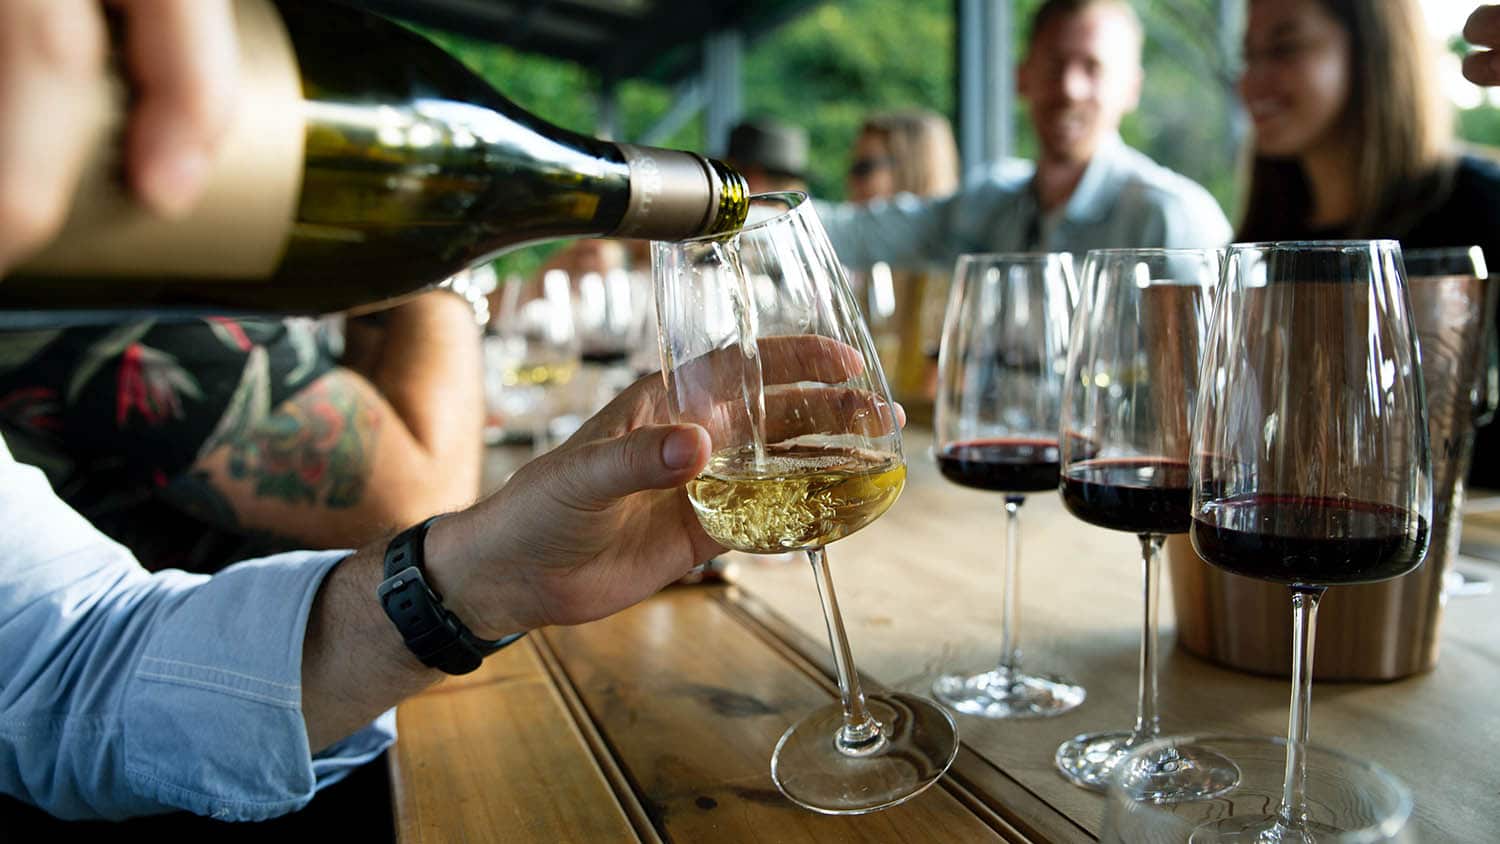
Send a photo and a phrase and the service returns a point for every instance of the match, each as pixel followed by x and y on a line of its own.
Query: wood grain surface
pixel 658 724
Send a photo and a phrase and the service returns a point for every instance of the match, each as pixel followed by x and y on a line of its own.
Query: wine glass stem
pixel 861 734
pixel 1147 723
pixel 1010 602
pixel 1293 811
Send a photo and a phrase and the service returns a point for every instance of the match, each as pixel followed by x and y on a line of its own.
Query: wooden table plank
pixel 1018 807
pixel 692 702
pixel 920 590
pixel 495 756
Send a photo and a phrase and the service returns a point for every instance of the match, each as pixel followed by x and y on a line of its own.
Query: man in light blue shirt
pixel 236 696
pixel 1088 190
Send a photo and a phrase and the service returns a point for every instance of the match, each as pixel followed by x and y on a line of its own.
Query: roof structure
pixel 659 40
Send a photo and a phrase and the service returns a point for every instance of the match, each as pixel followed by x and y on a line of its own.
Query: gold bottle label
pixel 238 229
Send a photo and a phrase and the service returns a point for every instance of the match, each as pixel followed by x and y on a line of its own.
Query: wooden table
pixel 657 724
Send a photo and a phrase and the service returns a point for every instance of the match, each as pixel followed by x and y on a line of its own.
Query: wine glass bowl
pixel 1311 465
pixel 763 347
pixel 1000 371
pixel 1132 378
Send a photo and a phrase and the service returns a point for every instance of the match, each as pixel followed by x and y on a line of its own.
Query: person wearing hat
pixel 771 155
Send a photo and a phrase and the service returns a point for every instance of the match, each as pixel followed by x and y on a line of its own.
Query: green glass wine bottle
pixel 363 163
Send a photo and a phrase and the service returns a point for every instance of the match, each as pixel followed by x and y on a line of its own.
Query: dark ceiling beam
pixel 660 40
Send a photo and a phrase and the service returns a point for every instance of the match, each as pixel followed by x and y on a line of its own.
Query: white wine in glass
pixel 762 345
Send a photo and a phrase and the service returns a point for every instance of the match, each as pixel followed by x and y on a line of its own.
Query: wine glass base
pixel 1265 829
pixel 1008 694
pixel 920 742
pixel 1181 772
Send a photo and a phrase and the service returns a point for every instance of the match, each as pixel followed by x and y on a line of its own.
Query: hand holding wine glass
pixel 796 466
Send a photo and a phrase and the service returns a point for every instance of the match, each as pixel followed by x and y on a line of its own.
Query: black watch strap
pixel 429 629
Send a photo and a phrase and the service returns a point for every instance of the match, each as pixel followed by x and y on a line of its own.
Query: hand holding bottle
pixel 181 57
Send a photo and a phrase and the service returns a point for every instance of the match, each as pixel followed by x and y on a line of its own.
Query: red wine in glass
pixel 1000 376
pixel 1310 541
pixel 1004 464
pixel 1139 494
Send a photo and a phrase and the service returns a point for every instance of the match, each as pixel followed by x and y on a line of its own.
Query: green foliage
pixel 828 68
pixel 1480 125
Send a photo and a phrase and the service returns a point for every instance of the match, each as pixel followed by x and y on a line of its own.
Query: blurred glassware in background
pixel 531 357
pixel 905 314
pixel 608 311
pixel 644 354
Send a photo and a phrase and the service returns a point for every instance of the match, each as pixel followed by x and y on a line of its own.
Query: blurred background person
pixel 1353 139
pixel 199 442
pixel 770 154
pixel 904 151
pixel 1080 76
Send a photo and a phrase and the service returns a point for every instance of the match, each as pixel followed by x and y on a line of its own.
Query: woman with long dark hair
pixel 1353 139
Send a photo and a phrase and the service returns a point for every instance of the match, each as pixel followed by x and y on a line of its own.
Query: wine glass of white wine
pixel 762 345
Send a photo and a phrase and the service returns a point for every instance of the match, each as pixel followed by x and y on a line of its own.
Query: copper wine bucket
pixel 1377 631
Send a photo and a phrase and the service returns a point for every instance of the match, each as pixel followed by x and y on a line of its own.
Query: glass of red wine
pixel 1000 373
pixel 1310 462
pixel 1132 379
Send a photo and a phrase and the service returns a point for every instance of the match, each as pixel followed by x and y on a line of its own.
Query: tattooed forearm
pixel 315 448
pixel 196 494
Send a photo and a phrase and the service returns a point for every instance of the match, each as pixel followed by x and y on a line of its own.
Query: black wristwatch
pixel 429 629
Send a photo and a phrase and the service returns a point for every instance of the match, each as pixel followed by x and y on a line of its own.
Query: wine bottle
pixel 363 163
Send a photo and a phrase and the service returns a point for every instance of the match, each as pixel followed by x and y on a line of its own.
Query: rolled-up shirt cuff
pixel 213 714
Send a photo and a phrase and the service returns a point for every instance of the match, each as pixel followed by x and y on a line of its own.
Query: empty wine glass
pixel 1000 384
pixel 1310 463
pixel 762 345
pixel 1132 383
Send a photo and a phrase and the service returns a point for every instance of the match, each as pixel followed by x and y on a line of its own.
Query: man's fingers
pixel 597 474
pixel 800 411
pixel 1483 27
pixel 808 357
pixel 52 56
pixel 183 61
pixel 722 374
pixel 1483 67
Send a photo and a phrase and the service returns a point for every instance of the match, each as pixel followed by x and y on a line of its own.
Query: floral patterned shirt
pixel 114 413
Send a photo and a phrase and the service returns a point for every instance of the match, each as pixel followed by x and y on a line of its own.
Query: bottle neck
pixel 673 195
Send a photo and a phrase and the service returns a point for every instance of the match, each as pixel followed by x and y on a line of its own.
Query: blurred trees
pixel 825 69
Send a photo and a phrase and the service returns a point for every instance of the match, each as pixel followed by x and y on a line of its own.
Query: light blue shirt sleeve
pixel 1186 218
pixel 905 230
pixel 127 693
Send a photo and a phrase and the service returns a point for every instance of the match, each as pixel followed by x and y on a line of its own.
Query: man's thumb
pixel 655 457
